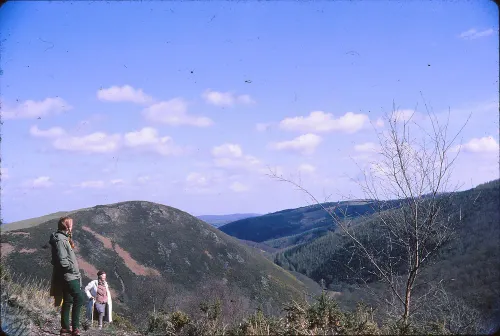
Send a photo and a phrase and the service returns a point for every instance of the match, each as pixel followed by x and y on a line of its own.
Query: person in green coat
pixel 66 278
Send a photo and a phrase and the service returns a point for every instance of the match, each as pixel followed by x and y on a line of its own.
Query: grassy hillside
pixel 469 265
pixel 27 309
pixel 292 222
pixel 157 256
pixel 30 222
pixel 219 220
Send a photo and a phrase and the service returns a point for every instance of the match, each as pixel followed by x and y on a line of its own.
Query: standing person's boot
pixel 75 332
pixel 64 332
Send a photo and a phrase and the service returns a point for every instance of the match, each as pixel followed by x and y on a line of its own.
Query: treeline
pixel 468 267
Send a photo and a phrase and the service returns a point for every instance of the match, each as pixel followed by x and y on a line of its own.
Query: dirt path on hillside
pixel 53 326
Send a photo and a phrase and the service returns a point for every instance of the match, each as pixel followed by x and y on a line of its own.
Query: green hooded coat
pixel 65 265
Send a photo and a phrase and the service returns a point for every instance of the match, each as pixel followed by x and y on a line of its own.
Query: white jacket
pixel 91 291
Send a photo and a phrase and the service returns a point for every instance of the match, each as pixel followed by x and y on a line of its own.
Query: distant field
pixel 31 222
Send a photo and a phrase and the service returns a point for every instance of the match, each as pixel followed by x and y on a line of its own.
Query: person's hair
pixel 62 225
pixel 100 273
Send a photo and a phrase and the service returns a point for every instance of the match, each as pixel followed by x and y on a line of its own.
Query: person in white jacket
pixel 99 297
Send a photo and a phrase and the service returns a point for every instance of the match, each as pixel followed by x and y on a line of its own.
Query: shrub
pixel 158 322
pixel 179 320
pixel 121 323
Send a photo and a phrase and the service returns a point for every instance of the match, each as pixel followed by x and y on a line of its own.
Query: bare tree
pixel 417 173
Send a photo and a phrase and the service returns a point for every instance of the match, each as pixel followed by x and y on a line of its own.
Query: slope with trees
pixel 274 229
pixel 393 250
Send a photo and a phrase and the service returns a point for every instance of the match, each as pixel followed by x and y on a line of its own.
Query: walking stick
pixel 92 314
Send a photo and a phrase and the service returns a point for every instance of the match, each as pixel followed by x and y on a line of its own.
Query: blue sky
pixel 187 103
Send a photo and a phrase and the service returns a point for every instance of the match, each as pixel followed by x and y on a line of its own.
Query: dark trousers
pixel 72 296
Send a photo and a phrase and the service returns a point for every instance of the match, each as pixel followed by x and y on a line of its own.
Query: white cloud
pixel 197 183
pixel 196 179
pixel 53 132
pixel 124 93
pixel 143 179
pixel 245 99
pixel 96 184
pixel 117 181
pixel 31 109
pixel 98 142
pixel 238 187
pixel 39 182
pixel 307 168
pixel 262 127
pixel 225 98
pixel 304 144
pixel 147 139
pixel 480 145
pixel 367 147
pixel 472 34
pixel 174 112
pixel 245 162
pixel 227 149
pixel 4 173
pixel 231 156
pixel 319 121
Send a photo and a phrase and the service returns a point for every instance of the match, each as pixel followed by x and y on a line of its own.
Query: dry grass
pixel 27 309
pixel 25 303
pixel 321 318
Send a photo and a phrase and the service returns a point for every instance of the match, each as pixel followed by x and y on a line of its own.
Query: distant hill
pixel 156 255
pixel 219 220
pixel 30 222
pixel 276 228
pixel 469 265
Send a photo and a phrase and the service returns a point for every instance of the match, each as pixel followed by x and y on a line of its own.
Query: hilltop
pixel 219 220
pixel 157 256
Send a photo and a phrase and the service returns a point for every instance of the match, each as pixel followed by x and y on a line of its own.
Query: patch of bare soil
pixel 133 265
pixel 130 262
pixel 52 326
pixel 6 249
pixel 88 268
pixel 24 250
pixel 20 233
pixel 106 241
pixel 208 254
